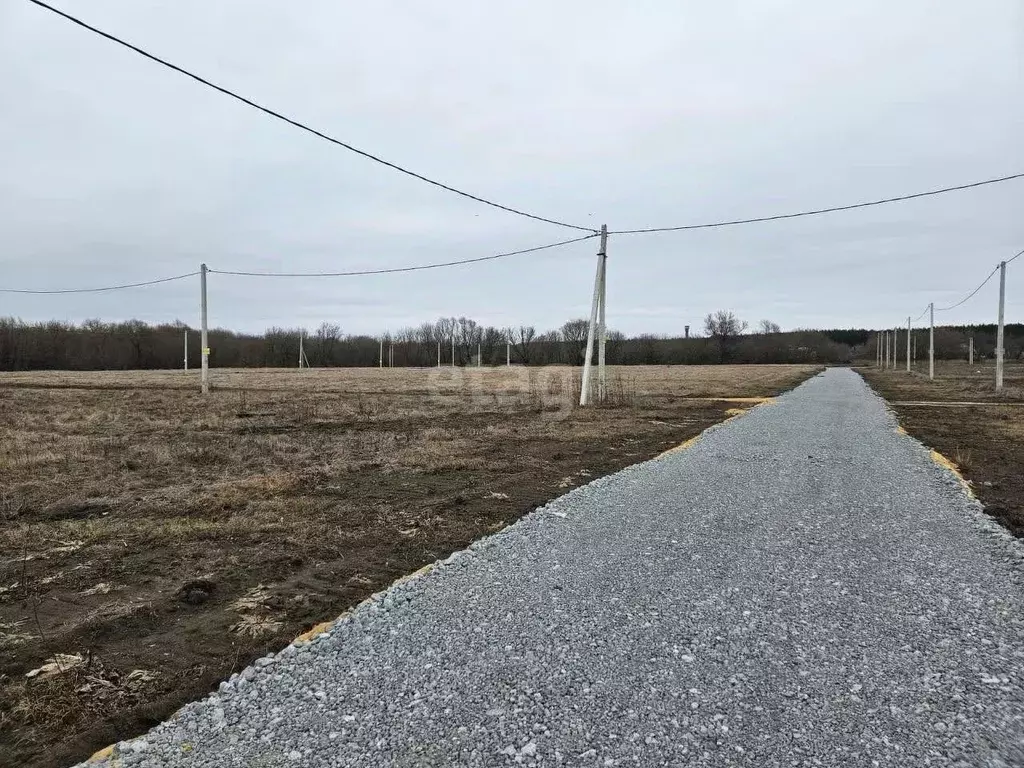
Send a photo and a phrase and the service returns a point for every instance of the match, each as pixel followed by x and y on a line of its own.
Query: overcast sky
pixel 647 113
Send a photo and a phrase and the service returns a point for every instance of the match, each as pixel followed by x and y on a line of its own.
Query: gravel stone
pixel 801 587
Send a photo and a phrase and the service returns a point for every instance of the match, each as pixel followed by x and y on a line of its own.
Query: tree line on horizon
pixel 97 345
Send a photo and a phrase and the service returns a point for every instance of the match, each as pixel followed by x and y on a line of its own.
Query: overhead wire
pixel 817 211
pixel 971 295
pixel 394 166
pixel 415 268
pixel 983 284
pixel 300 125
pixel 102 289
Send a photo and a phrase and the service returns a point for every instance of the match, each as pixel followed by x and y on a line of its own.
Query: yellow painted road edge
pixel 102 754
pixel 733 413
pixel 946 463
pixel 325 626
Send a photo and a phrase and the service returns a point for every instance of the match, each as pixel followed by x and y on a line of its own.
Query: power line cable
pixel 393 270
pixel 971 294
pixel 922 314
pixel 300 125
pixel 818 211
pixel 100 290
pixel 983 284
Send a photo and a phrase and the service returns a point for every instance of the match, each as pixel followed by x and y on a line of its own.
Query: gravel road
pixel 802 587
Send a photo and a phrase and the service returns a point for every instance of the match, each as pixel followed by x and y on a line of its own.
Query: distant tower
pixel 687 331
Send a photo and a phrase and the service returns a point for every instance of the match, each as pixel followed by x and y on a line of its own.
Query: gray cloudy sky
pixel 634 114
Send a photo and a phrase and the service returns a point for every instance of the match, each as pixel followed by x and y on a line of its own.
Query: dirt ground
pixel 961 415
pixel 152 540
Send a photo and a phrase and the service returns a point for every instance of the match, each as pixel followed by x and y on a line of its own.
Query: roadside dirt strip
pixel 802 586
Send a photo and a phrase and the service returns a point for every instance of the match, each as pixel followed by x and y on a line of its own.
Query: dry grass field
pixel 962 415
pixel 153 540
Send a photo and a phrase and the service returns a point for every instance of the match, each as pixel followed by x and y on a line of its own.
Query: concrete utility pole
pixel 915 349
pixel 438 354
pixel 479 356
pixel 885 335
pixel 453 350
pixel 970 351
pixel 204 338
pixel 1000 351
pixel 302 353
pixel 186 350
pixel 592 330
pixel 508 353
pixel 391 355
pixel 931 341
pixel 380 355
pixel 895 347
pixel 602 376
pixel 908 344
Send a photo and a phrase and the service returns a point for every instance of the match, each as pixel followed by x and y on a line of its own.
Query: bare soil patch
pixel 961 415
pixel 152 540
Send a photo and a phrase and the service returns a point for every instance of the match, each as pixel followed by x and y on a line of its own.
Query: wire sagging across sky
pixel 301 126
pixel 351 273
pixel 820 211
pixel 972 294
pixel 416 268
pixel 984 282
pixel 103 289
pixel 394 166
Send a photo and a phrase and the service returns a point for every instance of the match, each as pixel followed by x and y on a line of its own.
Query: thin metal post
pixel 931 341
pixel 592 328
pixel 908 344
pixel 1000 351
pixel 204 337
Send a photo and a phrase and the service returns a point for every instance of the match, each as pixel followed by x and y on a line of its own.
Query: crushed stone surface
pixel 801 587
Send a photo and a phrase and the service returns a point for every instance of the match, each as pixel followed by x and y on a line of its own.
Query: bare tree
pixel 724 328
pixel 522 341
pixel 767 327
pixel 327 336
pixel 723 324
pixel 489 342
pixel 574 334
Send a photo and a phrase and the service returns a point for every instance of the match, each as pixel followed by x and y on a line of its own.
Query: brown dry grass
pixel 955 380
pixel 146 527
pixel 961 415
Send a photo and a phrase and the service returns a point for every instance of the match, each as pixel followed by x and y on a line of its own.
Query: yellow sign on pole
pixel 206 350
